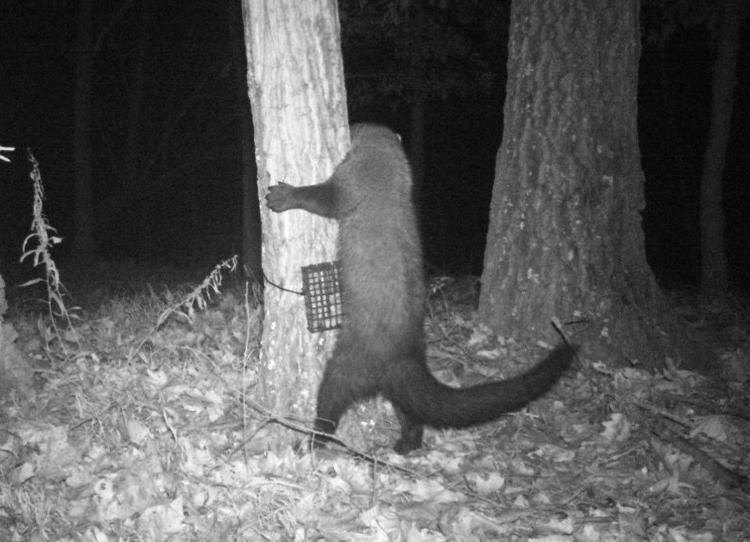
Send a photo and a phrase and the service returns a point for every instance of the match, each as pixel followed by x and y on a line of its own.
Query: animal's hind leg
pixel 411 433
pixel 335 395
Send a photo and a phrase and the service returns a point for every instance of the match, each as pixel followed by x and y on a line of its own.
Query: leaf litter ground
pixel 168 443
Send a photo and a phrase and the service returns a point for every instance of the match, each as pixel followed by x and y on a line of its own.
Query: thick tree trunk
pixel 565 237
pixel 296 88
pixel 84 220
pixel 713 254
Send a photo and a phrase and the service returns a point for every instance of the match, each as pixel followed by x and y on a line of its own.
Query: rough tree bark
pixel 296 88
pixel 565 236
pixel 713 254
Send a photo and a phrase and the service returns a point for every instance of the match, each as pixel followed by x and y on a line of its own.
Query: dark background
pixel 188 214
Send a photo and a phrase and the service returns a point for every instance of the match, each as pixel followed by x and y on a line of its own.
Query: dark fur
pixel 380 349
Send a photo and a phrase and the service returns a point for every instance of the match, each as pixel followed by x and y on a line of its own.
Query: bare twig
pixel 198 298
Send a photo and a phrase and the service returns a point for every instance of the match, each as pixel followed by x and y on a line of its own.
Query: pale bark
pixel 296 89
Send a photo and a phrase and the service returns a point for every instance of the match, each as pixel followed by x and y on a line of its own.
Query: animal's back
pixel 379 245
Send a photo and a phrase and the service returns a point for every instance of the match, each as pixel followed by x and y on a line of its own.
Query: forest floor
pixel 133 431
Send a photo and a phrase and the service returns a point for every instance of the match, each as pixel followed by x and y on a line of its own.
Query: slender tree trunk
pixel 296 88
pixel 565 237
pixel 713 253
pixel 135 104
pixel 84 221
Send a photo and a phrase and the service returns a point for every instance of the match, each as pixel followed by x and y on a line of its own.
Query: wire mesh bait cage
pixel 321 286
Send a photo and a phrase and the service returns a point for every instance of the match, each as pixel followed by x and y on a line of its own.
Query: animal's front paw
pixel 279 197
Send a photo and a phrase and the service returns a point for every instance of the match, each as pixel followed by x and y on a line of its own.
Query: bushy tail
pixel 432 403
